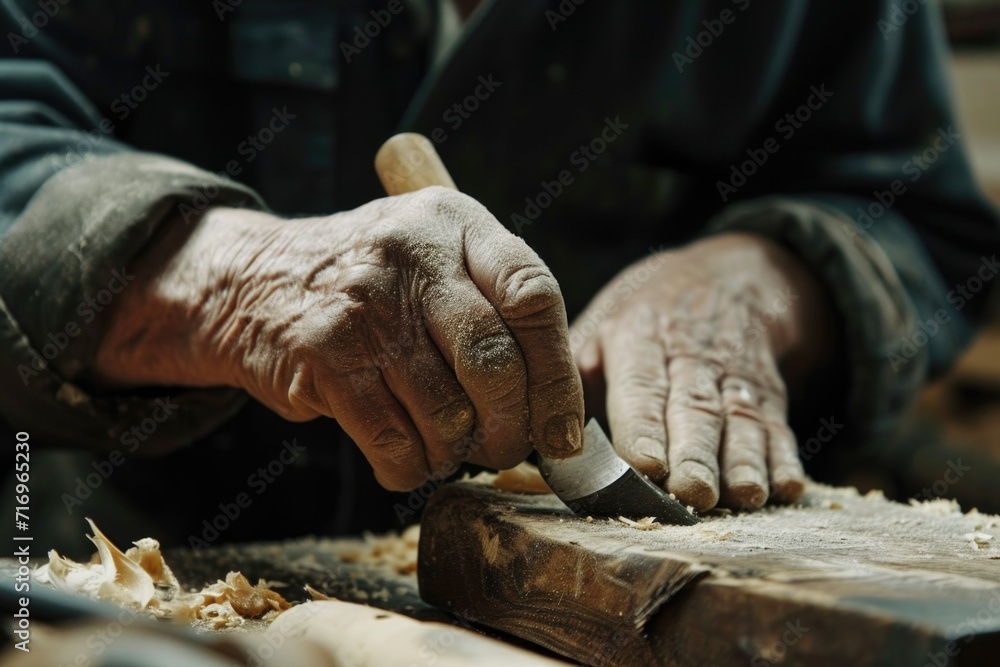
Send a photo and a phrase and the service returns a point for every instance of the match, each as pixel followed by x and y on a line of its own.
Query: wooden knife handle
pixel 408 162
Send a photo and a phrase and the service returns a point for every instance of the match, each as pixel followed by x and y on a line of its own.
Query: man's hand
pixel 430 332
pixel 689 349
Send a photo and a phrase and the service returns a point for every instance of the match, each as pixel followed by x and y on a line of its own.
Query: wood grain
pixel 842 579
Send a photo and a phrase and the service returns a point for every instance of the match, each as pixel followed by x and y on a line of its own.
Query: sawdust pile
pixel 140 579
pixel 396 553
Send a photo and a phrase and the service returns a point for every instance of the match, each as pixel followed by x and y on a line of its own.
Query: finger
pixel 525 294
pixel 694 425
pixel 368 412
pixel 427 388
pixel 583 343
pixel 743 457
pixel 784 466
pixel 488 365
pixel 636 372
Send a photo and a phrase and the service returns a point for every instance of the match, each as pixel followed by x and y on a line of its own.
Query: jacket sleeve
pixel 871 187
pixel 75 208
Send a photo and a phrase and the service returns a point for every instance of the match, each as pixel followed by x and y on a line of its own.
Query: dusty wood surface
pixel 843 579
pixel 318 562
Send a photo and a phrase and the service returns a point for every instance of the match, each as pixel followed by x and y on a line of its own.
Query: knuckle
pixel 742 409
pixel 693 397
pixel 454 420
pixel 393 448
pixel 641 386
pixel 493 353
pixel 779 432
pixel 530 290
pixel 449 205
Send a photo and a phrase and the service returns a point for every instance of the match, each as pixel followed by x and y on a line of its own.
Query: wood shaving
pixel 645 523
pixel 978 540
pixel 140 579
pixel 938 506
pixel 317 595
pixel 983 521
pixel 523 478
pixel 397 553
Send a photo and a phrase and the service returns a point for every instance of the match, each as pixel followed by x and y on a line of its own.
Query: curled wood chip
pixel 317 595
pixel 978 540
pixel 645 523
pixel 139 578
pixel 251 601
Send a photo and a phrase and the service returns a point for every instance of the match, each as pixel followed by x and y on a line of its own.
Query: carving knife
pixel 594 481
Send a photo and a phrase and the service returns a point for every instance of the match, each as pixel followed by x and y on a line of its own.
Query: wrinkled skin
pixel 685 349
pixel 426 329
pixel 435 336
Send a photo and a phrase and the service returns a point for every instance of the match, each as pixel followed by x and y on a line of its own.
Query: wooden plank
pixel 841 579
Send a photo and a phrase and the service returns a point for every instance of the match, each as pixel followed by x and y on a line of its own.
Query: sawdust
pixel 865 527
pixel 140 579
pixel 645 523
pixel 938 506
pixel 396 553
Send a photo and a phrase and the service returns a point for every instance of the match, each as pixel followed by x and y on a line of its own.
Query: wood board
pixel 840 579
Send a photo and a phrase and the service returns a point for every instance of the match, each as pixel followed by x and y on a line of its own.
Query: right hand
pixel 426 329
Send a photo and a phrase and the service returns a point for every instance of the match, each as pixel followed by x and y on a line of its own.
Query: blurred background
pixel 954 430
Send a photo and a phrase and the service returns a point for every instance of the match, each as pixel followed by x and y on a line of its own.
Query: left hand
pixel 690 350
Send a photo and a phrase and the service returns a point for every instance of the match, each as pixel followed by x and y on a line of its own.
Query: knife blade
pixel 594 481
pixel 597 482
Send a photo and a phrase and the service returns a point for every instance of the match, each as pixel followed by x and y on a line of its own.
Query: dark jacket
pixel 598 130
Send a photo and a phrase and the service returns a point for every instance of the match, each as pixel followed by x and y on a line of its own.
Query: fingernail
pixel 562 433
pixel 693 483
pixel 787 485
pixel 647 457
pixel 745 487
